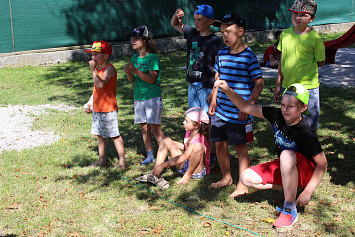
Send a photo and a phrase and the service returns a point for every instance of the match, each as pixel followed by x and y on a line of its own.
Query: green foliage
pixel 49 190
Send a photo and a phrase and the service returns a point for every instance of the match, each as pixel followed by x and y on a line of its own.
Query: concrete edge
pixel 166 45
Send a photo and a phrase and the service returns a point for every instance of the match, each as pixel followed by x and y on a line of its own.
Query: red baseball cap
pixel 100 46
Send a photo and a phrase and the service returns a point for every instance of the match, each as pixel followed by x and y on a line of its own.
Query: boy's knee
pixel 245 177
pixel 288 156
pixel 250 178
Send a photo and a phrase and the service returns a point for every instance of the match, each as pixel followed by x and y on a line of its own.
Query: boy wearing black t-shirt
pixel 202 48
pixel 302 161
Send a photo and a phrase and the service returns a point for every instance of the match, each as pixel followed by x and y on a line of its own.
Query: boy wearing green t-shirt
pixel 302 52
pixel 145 70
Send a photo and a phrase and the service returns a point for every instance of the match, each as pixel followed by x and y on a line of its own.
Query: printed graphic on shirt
pixel 142 66
pixel 282 141
pixel 195 66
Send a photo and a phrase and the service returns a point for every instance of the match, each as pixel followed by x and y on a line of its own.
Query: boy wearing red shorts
pixel 302 162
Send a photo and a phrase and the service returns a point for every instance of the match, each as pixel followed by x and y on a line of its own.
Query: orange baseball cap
pixel 100 46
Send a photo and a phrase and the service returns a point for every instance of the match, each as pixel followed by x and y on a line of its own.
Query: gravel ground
pixel 342 73
pixel 16 132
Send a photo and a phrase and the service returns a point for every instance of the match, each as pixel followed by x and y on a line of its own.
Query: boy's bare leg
pixel 244 162
pixel 147 136
pixel 196 164
pixel 224 163
pixel 253 180
pixel 101 146
pixel 157 132
pixel 148 143
pixel 119 145
pixel 289 174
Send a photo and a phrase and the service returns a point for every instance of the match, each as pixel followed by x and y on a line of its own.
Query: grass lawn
pixel 50 191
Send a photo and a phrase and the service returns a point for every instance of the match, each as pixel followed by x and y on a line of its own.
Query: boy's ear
pixel 304 108
pixel 106 56
pixel 241 31
pixel 312 18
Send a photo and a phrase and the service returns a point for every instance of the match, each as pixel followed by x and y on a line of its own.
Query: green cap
pixel 301 93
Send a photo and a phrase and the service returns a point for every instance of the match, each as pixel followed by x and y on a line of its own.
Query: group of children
pixel 225 82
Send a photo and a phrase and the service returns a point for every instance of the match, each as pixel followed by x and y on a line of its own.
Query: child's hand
pixel 223 85
pixel 212 108
pixel 277 94
pixel 129 68
pixel 157 170
pixel 243 116
pixel 88 110
pixel 179 14
pixel 92 64
pixel 303 198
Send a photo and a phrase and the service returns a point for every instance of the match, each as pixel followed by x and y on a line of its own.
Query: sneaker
pixel 148 160
pixel 286 219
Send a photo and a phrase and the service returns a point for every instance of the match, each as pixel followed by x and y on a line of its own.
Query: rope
pixel 189 209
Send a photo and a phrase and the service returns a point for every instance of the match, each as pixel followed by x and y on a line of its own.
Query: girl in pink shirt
pixel 191 158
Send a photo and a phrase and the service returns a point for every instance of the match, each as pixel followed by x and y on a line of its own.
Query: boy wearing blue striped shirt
pixel 238 66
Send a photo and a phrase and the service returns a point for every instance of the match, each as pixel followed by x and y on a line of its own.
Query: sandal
pixel 162 183
pixel 146 177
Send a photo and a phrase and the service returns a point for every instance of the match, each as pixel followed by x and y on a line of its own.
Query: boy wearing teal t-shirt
pixel 145 70
pixel 302 52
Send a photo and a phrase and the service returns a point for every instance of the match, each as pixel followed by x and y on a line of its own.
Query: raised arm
pixel 176 20
pixel 100 82
pixel 240 102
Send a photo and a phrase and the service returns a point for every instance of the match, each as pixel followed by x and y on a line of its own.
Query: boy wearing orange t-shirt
pixel 104 118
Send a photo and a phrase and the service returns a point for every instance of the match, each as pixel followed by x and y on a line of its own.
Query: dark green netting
pixel 39 24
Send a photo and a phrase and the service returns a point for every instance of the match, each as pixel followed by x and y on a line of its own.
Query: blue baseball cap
pixel 205 10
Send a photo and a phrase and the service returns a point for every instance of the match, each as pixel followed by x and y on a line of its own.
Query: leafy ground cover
pixel 50 191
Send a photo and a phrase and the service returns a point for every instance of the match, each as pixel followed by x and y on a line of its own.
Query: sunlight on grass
pixel 49 190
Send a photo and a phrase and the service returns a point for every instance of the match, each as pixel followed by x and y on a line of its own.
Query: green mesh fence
pixel 39 24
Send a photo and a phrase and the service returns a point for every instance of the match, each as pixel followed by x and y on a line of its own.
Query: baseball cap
pixel 205 10
pixel 300 92
pixel 230 18
pixel 197 114
pixel 100 46
pixel 141 31
pixel 304 6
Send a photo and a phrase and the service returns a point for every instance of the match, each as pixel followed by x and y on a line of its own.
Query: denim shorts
pixel 105 124
pixel 148 111
pixel 222 131
pixel 193 176
pixel 197 96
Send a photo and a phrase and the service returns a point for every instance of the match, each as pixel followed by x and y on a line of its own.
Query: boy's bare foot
pixel 183 180
pixel 222 183
pixel 100 163
pixel 120 166
pixel 239 191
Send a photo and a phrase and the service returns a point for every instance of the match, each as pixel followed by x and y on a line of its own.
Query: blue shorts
pixel 222 131
pixel 197 96
pixel 313 108
pixel 105 124
pixel 193 176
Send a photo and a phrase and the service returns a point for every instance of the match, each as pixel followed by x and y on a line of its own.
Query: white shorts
pixel 148 111
pixel 105 124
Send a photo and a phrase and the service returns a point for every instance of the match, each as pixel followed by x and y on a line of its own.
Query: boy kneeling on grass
pixel 302 162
